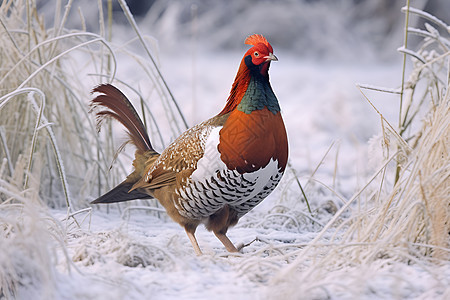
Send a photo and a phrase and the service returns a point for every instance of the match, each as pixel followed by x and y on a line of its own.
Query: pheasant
pixel 217 171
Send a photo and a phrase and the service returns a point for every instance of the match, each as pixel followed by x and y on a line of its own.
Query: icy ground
pixel 142 254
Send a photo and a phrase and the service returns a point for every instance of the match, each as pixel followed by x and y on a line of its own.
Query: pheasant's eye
pixel 256 54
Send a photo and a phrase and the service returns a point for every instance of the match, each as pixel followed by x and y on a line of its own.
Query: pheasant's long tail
pixel 114 104
pixel 121 193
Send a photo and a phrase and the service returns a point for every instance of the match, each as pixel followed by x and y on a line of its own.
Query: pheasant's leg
pixel 226 242
pixel 190 231
pixel 219 223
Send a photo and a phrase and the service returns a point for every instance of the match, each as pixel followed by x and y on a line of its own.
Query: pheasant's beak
pixel 271 57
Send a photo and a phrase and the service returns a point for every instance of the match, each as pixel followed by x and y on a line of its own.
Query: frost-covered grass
pixel 367 235
pixel 45 123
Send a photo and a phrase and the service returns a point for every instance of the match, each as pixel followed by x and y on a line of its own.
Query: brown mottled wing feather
pixel 179 160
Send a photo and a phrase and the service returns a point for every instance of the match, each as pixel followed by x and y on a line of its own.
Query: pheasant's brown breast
pixel 249 141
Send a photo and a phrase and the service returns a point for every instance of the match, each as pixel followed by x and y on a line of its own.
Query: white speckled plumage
pixel 212 185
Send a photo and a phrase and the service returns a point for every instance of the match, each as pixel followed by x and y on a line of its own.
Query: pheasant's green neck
pixel 258 95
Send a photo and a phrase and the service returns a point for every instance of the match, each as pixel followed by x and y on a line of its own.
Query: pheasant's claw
pixel 241 246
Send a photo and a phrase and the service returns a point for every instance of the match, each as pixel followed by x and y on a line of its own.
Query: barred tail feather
pixel 120 108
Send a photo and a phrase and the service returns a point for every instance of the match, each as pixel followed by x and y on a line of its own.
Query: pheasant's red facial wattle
pixel 258 54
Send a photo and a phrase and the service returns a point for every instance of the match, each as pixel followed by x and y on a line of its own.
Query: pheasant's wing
pixel 179 160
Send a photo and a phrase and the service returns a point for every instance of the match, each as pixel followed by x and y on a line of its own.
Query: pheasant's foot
pixel 242 245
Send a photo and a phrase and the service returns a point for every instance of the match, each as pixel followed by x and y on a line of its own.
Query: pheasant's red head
pixel 260 55
pixel 256 62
